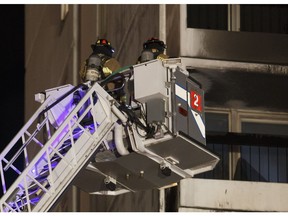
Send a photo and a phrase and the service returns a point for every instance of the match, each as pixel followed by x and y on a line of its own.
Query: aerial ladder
pixel 152 140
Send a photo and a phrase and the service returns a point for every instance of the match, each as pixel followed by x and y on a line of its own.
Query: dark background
pixel 12 71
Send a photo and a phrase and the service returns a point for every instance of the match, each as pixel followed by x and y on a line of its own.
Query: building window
pixel 249 18
pixel 264 18
pixel 252 145
pixel 266 160
pixel 207 17
pixel 217 122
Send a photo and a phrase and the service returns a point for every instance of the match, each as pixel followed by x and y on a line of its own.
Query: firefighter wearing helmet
pixel 153 48
pixel 100 63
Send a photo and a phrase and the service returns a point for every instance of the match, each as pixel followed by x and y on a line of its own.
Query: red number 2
pixel 196 101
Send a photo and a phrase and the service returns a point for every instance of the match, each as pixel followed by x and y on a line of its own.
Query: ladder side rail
pixel 26 159
pixel 24 145
pixel 33 138
pixel 3 182
pixel 13 167
pixel 19 137
pixel 72 147
pixel 9 164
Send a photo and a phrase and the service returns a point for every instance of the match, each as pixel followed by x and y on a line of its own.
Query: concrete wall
pixel 222 195
pixel 125 26
pixel 48 51
pixel 235 46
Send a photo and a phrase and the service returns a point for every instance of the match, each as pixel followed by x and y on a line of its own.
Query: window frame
pixel 235 119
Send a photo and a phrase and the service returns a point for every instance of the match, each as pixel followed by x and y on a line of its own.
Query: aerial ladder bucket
pixel 153 139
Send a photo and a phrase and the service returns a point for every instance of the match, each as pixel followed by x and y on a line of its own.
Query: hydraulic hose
pixel 118 133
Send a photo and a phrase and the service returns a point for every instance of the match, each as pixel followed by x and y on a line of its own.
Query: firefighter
pixel 100 64
pixel 153 48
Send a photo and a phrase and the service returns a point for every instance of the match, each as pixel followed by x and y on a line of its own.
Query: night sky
pixel 12 73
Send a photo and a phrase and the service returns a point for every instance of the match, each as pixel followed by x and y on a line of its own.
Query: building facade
pixel 239 55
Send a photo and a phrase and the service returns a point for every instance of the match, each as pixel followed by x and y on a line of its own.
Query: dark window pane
pixel 264 161
pixel 282 169
pixel 207 17
pixel 216 122
pixel 269 162
pixel 255 163
pixel 268 129
pixel 264 18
